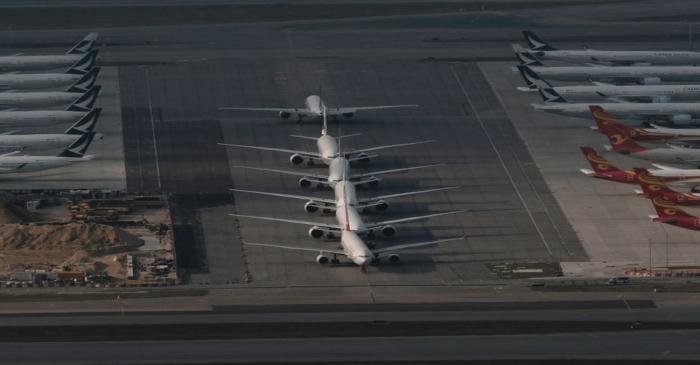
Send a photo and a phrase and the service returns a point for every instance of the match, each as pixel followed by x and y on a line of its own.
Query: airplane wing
pixel 414 245
pixel 389 146
pixel 292 196
pixel 410 219
pixel 13 153
pixel 287 172
pixel 294 221
pixel 353 109
pixel 384 172
pixel 279 110
pixel 303 153
pixel 380 197
pixel 297 248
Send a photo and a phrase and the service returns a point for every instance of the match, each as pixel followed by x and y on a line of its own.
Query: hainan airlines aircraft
pixel 314 107
pixel 47 99
pixel 13 162
pixel 27 142
pixel 668 212
pixel 606 122
pixel 600 92
pixel 653 186
pixel 601 168
pixel 71 82
pixel 81 54
pixel 544 51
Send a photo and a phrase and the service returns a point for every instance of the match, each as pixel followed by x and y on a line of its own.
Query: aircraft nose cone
pixel 362 260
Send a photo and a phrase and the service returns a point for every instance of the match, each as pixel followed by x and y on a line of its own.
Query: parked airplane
pixel 46 99
pixel 336 170
pixel 671 153
pixel 345 191
pixel 72 82
pixel 599 92
pixel 679 114
pixel 80 58
pixel 606 122
pixel 314 108
pixel 71 114
pixel 603 169
pixel 26 142
pixel 13 162
pixel 670 213
pixel 642 75
pixel 653 186
pixel 543 50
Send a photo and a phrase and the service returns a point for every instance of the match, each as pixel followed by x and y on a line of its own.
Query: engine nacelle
pixel 362 158
pixel 661 99
pixel 348 115
pixel 394 258
pixel 381 206
pixel 681 119
pixel 388 231
pixel 651 81
pixel 316 232
pixel 311 207
pixel 323 259
pixel 304 182
pixel 285 115
pixel 296 159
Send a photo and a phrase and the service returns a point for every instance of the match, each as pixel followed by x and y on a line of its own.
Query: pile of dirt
pixel 65 237
pixel 53 246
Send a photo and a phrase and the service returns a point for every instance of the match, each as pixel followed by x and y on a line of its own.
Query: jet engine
pixel 681 119
pixel 285 115
pixel 348 115
pixel 661 99
pixel 362 158
pixel 304 182
pixel 381 206
pixel 394 258
pixel 388 231
pixel 651 81
pixel 323 259
pixel 296 159
pixel 316 232
pixel 311 207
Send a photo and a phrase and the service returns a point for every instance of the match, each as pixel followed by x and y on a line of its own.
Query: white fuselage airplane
pixel 27 142
pixel 70 82
pixel 327 147
pixel 674 113
pixel 544 51
pixel 14 163
pixel 628 93
pixel 39 117
pixel 336 173
pixel 645 75
pixel 48 99
pixel 81 53
pixel 314 108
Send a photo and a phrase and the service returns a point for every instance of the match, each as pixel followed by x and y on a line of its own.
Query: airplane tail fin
pixel 536 43
pixel 84 64
pixel 667 210
pixel 86 101
pixel 548 93
pixel 530 76
pixel 85 82
pixel 607 122
pixel 597 162
pixel 78 148
pixel 86 124
pixel 85 45
pixel 652 186
pixel 525 57
pixel 622 144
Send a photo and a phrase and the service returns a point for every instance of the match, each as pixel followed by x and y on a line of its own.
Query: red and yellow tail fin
pixel 650 184
pixel 608 124
pixel 597 162
pixel 667 209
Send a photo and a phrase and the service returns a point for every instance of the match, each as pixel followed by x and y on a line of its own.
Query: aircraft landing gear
pixel 335 260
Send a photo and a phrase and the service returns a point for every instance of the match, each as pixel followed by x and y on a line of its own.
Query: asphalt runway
pixel 664 345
